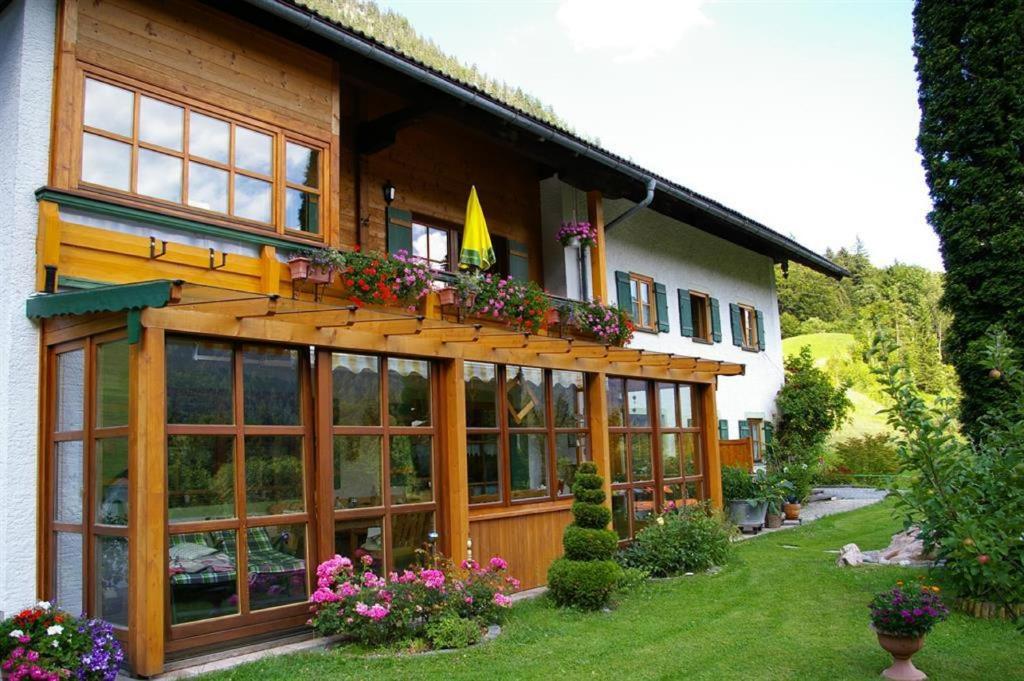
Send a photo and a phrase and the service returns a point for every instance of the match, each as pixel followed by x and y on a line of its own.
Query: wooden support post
pixel 47 241
pixel 454 500
pixel 598 260
pixel 147 517
pixel 597 415
pixel 270 271
pixel 713 457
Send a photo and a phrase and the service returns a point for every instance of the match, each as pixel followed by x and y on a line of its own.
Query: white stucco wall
pixel 27 36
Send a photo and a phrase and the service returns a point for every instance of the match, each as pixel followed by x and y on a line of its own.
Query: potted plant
pixel 573 234
pixel 800 477
pixel 772 489
pixel 382 279
pixel 520 304
pixel 607 324
pixel 315 265
pixel 740 492
pixel 901 617
pixel 463 291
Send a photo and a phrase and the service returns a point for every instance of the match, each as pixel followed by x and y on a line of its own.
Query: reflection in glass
pixel 70 390
pixel 670 467
pixel 200 477
pixel 637 404
pixel 481 395
pixel 276 556
pixel 207 187
pixel 363 537
pixel 482 455
pixel 691 453
pixel 356 384
pixel 408 534
pixel 674 497
pixel 408 392
pixel 111 479
pixel 208 137
pixel 112 384
pixel 68 567
pixel 273 474
pixel 112 579
pixel 643 507
pixel 620 513
pixel 109 108
pixel 528 465
pixel 667 405
pixel 271 385
pixel 203 576
pixel 640 450
pixel 616 401
pixel 570 451
pixel 302 165
pixel 411 469
pixel 161 123
pixel 357 471
pixel 694 491
pixel 252 198
pixel 106 162
pixel 252 150
pixel 199 381
pixel 302 211
pixel 159 175
pixel 620 470
pixel 524 388
pixel 69 469
pixel 569 398
pixel 686 406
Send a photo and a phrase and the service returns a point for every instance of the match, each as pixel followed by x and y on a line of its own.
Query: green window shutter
pixel 734 317
pixel 685 313
pixel 744 429
pixel 760 329
pixel 716 321
pixel 723 429
pixel 768 432
pixel 399 231
pixel 661 303
pixel 518 260
pixel 622 292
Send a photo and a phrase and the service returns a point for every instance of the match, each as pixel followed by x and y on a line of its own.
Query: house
pixel 187 431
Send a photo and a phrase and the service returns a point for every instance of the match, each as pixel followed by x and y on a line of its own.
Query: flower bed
pixel 442 604
pixel 45 643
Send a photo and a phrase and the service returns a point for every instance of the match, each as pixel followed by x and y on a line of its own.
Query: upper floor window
pixel 748 327
pixel 700 310
pixel 172 151
pixel 436 247
pixel 641 292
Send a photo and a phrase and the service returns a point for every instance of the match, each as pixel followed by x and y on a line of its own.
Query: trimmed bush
pixel 590 496
pixel 586 481
pixel 452 631
pixel 583 543
pixel 593 516
pixel 583 584
pixel 692 539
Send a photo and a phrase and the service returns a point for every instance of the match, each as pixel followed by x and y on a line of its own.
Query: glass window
pixel 159 175
pixel 203 575
pixel 111 579
pixel 482 455
pixel 640 453
pixel 357 471
pixel 69 467
pixel 70 390
pixel 686 406
pixel 356 381
pixel 667 405
pixel 643 507
pixel 567 390
pixel 68 586
pixel 620 513
pixel 620 469
pixel 524 388
pixel 642 299
pixel 273 474
pixel 691 453
pixel 432 246
pixel 271 385
pixel 112 384
pixel 481 395
pixel 409 392
pixel 252 198
pixel 411 469
pixel 208 137
pixel 670 465
pixel 637 404
pixel 161 124
pixel 361 537
pixel 253 150
pixel 277 565
pixel 302 211
pixel 570 452
pixel 528 464
pixel 207 187
pixel 302 165
pixel 109 108
pixel 200 477
pixel 616 402
pixel 409 532
pixel 199 382
pixel 700 313
pixel 106 162
pixel 674 496
pixel 111 478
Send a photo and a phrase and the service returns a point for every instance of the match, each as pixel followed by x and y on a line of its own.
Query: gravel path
pixel 830 500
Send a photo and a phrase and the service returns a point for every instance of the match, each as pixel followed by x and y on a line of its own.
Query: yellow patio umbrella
pixel 477 250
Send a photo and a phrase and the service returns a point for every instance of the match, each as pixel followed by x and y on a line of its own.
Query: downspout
pixel 651 184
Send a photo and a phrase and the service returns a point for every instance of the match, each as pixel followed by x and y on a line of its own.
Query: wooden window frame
pixel 748 327
pixel 637 306
pixel 756 427
pixel 503 430
pixel 453 234
pixel 702 331
pixel 277 178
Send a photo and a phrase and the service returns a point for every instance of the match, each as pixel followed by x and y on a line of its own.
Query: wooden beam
pixel 624 355
pixel 655 360
pixel 590 351
pixel 453 334
pixel 270 271
pixel 502 340
pixel 709 433
pixel 47 241
pixel 453 503
pixel 598 258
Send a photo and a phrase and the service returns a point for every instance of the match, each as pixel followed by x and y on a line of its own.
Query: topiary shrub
pixel 586 577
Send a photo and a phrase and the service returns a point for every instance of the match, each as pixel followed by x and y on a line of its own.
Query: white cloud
pixel 630 31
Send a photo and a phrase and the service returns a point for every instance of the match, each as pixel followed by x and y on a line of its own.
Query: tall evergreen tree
pixel 970 66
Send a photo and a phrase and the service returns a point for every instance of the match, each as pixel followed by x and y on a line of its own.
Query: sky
pixel 800 114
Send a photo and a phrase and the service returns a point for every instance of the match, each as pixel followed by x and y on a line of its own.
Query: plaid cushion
pixel 189 538
pixel 259 540
pixel 226 541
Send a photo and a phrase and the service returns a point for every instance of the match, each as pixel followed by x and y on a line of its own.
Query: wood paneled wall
pixel 528 542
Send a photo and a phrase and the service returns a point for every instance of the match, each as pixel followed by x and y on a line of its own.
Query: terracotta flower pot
pixel 551 318
pixel 304 269
pixel 298 268
pixel 447 296
pixel 902 648
pixel 791 510
pixel 773 520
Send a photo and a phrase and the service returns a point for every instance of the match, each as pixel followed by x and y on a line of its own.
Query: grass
pixel 779 610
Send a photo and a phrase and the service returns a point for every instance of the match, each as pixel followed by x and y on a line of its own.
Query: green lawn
pixel 775 612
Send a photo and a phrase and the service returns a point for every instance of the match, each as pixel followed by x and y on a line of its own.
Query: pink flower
pixel 469 565
pixel 469 599
pixel 502 601
pixel 348 589
pixel 498 563
pixel 367 559
pixel 432 579
pixel 324 595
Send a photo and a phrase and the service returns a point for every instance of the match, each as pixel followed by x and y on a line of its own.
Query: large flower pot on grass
pixel 748 514
pixel 902 648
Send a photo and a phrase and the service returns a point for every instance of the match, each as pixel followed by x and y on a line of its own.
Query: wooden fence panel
pixel 738 453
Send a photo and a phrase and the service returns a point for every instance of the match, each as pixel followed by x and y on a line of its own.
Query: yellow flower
pixel 899 582
pixel 936 589
pixel 661 521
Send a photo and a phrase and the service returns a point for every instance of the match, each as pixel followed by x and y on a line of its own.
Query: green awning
pixel 130 298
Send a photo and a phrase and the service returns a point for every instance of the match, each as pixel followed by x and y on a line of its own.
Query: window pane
pixel 357 538
pixel 161 123
pixel 208 137
pixel 528 465
pixel 620 513
pixel 640 450
pixel 203 576
pixel 112 481
pixel 252 150
pixel 109 108
pixel 199 382
pixel 302 211
pixel 252 199
pixel 686 406
pixel 277 565
pixel 620 469
pixel 667 405
pixel 271 385
pixel 68 572
pixel 207 187
pixel 670 465
pixel 409 533
pixel 408 392
pixel 616 401
pixel 112 580
pixel 159 175
pixel 303 165
pixel 70 390
pixel 273 475
pixel 200 477
pixel 569 399
pixel 674 497
pixel 112 384
pixel 420 242
pixel 411 469
pixel 357 471
pixel 570 451
pixel 482 455
pixel 481 395
pixel 524 387
pixel 106 162
pixel 636 404
pixel 69 483
pixel 356 385
pixel 694 491
pixel 691 453
pixel 643 507
pixel 438 245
